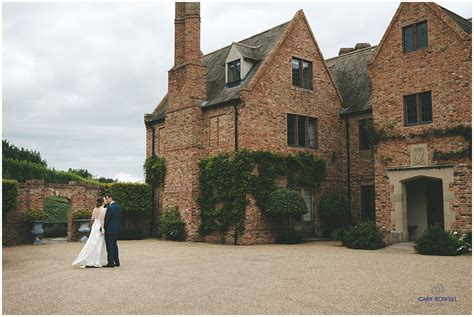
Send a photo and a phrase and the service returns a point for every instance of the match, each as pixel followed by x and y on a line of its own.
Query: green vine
pixel 154 171
pixel 377 135
pixel 225 180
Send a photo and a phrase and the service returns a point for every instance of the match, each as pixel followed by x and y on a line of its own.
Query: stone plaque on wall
pixel 419 154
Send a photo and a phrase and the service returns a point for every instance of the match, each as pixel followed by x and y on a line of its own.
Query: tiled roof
pixel 256 48
pixel 350 72
pixel 465 24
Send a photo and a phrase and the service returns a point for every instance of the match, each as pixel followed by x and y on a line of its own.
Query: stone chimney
pixel 357 47
pixel 187 33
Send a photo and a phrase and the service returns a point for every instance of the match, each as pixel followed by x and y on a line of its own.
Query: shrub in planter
pixel 171 225
pixel 33 215
pixel 9 194
pixel 364 236
pixel 82 213
pixel 334 210
pixel 437 241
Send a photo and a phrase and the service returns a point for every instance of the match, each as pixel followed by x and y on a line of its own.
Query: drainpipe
pixel 152 224
pixel 348 157
pixel 236 131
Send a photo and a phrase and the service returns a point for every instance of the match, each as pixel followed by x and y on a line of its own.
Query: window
pixel 307 196
pixel 302 131
pixel 367 199
pixel 418 108
pixel 364 138
pixel 415 36
pixel 302 73
pixel 233 71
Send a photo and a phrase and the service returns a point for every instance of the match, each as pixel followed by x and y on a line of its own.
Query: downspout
pixel 236 148
pixel 348 157
pixel 236 130
pixel 153 189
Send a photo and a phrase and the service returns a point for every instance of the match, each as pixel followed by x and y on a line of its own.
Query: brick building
pixel 274 91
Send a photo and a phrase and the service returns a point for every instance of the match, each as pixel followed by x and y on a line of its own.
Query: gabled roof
pixel 461 26
pixel 255 47
pixel 350 72
pixel 465 24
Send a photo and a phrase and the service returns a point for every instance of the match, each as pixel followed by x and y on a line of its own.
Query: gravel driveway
pixel 161 277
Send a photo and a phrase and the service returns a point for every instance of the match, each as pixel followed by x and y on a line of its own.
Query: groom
pixel 111 227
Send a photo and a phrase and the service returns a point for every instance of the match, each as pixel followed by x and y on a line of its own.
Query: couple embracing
pixel 106 216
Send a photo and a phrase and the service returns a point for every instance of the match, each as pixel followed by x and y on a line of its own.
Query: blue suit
pixel 112 226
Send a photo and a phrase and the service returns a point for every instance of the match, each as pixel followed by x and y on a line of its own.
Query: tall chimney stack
pixel 187 42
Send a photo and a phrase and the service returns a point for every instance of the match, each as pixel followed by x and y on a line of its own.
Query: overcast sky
pixel 77 78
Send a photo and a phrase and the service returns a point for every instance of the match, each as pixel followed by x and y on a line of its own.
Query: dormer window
pixel 302 73
pixel 415 36
pixel 233 71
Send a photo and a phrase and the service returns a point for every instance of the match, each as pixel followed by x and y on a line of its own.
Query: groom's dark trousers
pixel 112 226
pixel 112 249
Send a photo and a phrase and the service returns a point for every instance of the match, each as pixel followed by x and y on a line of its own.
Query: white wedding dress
pixel 93 250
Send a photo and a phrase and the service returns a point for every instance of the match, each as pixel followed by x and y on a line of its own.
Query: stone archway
pixel 32 195
pixel 399 178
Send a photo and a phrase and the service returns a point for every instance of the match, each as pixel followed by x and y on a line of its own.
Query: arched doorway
pixel 424 204
pixel 57 208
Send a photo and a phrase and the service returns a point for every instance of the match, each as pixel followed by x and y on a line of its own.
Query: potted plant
pixel 36 217
pixel 82 217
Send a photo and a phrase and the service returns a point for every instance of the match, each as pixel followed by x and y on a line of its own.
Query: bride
pixel 91 253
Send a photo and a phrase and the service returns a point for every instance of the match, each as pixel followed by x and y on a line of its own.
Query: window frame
pixel 306 131
pixel 415 36
pixel 419 110
pixel 301 75
pixel 234 63
pixel 310 212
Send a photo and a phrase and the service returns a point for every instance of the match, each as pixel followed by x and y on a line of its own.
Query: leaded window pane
pixel 312 128
pixel 295 68
pixel 291 126
pixel 410 110
pixel 307 75
pixel 233 71
pixel 421 35
pixel 301 131
pixel 426 111
pixel 408 39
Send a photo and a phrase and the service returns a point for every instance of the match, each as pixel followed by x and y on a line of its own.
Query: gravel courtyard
pixel 161 277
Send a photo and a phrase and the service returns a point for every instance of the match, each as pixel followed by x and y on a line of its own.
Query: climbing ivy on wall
pixel 225 180
pixel 154 171
pixel 377 135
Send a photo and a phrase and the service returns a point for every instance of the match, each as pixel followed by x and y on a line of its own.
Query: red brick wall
pixel 444 68
pixel 32 195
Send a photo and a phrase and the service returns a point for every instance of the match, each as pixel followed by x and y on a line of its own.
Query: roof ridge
pixel 467 20
pixel 238 42
pixel 352 52
pixel 245 45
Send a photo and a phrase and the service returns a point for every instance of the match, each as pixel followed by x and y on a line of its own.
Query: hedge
pixel 132 197
pixel 9 194
pixel 24 170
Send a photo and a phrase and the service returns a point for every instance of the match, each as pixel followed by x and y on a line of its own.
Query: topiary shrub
pixel 171 225
pixel 9 195
pixel 286 202
pixel 33 215
pixel 335 210
pixel 364 236
pixel 437 241
pixel 82 213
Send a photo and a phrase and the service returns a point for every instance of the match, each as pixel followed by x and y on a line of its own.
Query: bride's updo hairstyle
pixel 100 201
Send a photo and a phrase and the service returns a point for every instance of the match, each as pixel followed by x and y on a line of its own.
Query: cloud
pixel 78 77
